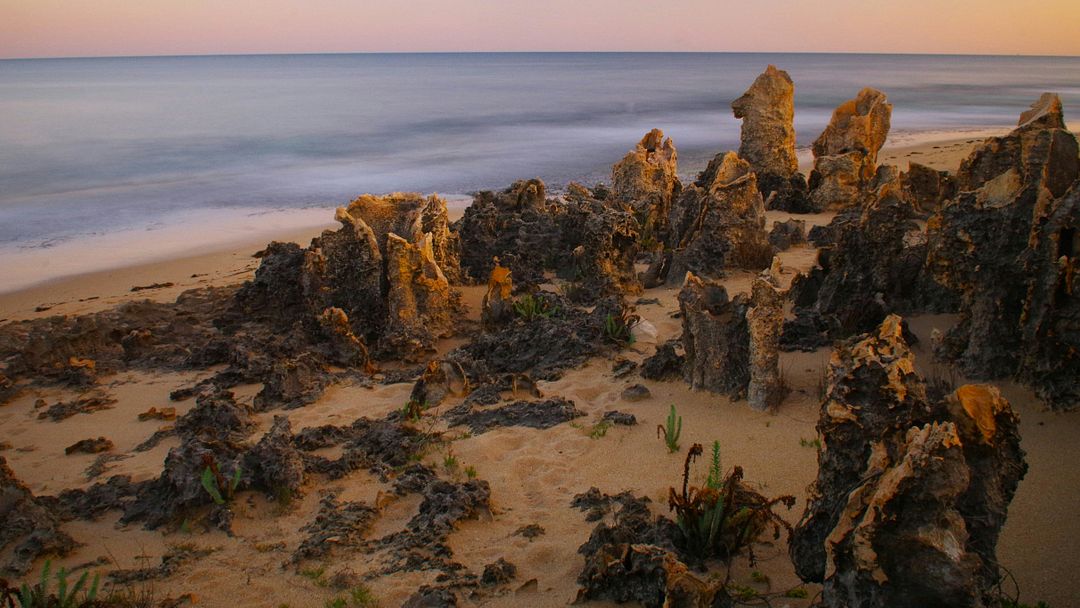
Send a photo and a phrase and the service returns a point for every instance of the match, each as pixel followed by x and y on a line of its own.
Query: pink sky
pixel 60 28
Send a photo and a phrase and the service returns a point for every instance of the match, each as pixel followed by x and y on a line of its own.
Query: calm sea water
pixel 95 146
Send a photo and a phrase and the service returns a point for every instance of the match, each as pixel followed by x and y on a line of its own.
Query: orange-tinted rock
pixel 845 154
pixel 419 302
pixel 647 179
pixel 498 304
pixel 765 321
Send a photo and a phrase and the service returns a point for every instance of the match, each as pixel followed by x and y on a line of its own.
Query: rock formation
pixel 1009 189
pixel 873 267
pixel 765 321
pixel 598 249
pixel 785 235
pixel 647 179
pixel 715 337
pixel 31 529
pixel 767 110
pixel 910 495
pixel 927 188
pixel 1050 321
pixel 419 300
pixel 719 222
pixel 845 155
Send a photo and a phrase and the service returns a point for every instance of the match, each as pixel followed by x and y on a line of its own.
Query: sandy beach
pixel 534 474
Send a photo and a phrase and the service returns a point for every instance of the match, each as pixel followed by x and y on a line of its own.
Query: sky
pixel 77 28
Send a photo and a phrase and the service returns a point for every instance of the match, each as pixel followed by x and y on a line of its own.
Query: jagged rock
pixel 276 293
pixel 665 364
pixel 440 380
pixel 715 337
pixel 647 179
pixel 498 304
pixel 601 244
pixel 1009 187
pixel 531 414
pixel 910 495
pixel 636 392
pixel 419 298
pixel 515 226
pixel 1045 113
pixel 875 267
pixel 165 413
pixel 173 559
pixel 274 463
pixel 785 235
pixel 378 445
pixel 498 573
pixel 767 110
pixel 345 347
pixel 719 222
pixel 292 383
pixel 31 529
pixel 765 321
pixel 90 446
pixel 337 524
pixel 431 597
pixel 88 403
pixel 1050 322
pixel 927 188
pixel 845 154
pixel 617 417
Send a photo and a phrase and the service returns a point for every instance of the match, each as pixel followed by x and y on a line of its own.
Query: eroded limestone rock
pixel 910 495
pixel 31 529
pixel 719 222
pixel 928 188
pixel 845 154
pixel 498 304
pixel 767 110
pixel 647 179
pixel 765 321
pixel 715 337
pixel 419 300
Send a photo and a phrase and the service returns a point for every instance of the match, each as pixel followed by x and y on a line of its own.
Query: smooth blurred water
pixel 93 146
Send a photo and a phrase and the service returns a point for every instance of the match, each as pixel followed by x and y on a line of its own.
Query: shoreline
pixel 231 263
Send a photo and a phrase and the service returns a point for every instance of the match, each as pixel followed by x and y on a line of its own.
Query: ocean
pixel 123 160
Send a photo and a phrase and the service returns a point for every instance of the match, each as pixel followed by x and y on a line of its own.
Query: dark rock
pixel 217 416
pixel 292 383
pixel 910 495
pixel 176 557
pixel 497 307
pixel 498 573
pixel 665 364
pixel 531 414
pixel 91 503
pixel 718 222
pixel 344 523
pixel 617 417
pixel 274 463
pixel 785 235
pixel 441 379
pixel 31 529
pixel 530 531
pixel 636 392
pixel 622 368
pixel 90 446
pixel 716 337
pixel 430 597
pixel 599 245
pixel 927 188
pixel 87 403
pixel 1009 188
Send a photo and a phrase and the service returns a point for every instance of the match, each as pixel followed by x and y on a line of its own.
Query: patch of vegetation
pixel 317 575
pixel 671 431
pixel 599 429
pixel 39 595
pixel 359 597
pixel 413 410
pixel 215 484
pixel 724 516
pixel 529 307
pixel 450 462
pixel 618 329
pixel 810 443
pixel 470 472
pixel 797 593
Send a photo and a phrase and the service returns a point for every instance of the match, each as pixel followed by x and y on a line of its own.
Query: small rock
pixel 498 573
pixel 636 392
pixel 90 446
pixel 617 417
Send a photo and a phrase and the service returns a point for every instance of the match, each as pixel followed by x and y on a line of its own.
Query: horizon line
pixel 530 52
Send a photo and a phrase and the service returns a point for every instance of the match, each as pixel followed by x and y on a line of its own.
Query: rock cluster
pixel 767 110
pixel 31 528
pixel 911 495
pixel 845 155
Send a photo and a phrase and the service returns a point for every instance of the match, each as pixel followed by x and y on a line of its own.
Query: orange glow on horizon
pixel 65 28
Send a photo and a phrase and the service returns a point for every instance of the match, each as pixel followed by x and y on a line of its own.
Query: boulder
pixel 767 110
pixel 787 234
pixel 715 337
pixel 765 321
pixel 719 222
pixel 911 495
pixel 845 154
pixel 599 245
pixel 274 462
pixel 647 180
